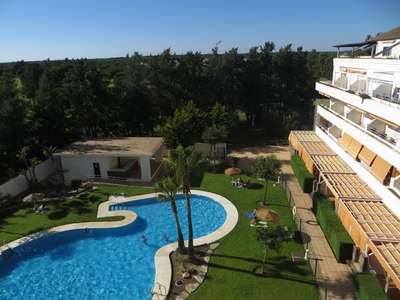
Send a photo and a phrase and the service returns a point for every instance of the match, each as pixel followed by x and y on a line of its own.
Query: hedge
pixel 368 287
pixel 336 235
pixel 304 177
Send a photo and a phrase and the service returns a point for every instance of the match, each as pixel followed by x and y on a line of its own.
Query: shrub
pixel 304 177
pixel 76 182
pixel 336 235
pixel 368 287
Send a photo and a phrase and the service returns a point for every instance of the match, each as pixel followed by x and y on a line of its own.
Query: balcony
pixel 376 129
pixel 376 95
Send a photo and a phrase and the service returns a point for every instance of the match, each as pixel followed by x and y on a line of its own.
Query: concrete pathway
pixel 335 279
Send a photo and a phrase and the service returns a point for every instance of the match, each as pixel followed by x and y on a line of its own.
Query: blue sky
pixel 54 29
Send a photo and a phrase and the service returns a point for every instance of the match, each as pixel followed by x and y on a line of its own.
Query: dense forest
pixel 53 103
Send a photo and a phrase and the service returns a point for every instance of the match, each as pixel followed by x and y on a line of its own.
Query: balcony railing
pixel 381 98
pixel 382 135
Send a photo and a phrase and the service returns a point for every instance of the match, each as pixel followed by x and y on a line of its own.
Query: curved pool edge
pixel 102 212
pixel 162 262
pixel 163 268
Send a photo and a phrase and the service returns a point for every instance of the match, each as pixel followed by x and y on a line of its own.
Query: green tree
pixel 213 135
pixel 258 82
pixel 29 75
pixel 219 116
pixel 48 153
pixel 166 191
pixel 190 78
pixel 60 174
pixel 34 161
pixel 266 167
pixel 135 113
pixel 85 89
pixel 22 155
pixel 47 120
pixel 162 80
pixel 14 131
pixel 184 161
pixel 185 127
pixel 271 239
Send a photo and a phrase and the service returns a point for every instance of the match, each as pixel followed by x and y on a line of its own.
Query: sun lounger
pixel 296 257
pixel 260 224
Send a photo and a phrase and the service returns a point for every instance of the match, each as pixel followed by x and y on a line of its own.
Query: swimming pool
pixel 104 263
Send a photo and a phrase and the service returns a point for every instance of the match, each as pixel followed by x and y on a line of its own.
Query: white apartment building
pixel 354 152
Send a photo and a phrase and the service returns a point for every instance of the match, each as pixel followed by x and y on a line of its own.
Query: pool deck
pixel 163 268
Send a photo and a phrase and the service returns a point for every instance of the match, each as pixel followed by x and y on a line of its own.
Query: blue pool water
pixel 104 263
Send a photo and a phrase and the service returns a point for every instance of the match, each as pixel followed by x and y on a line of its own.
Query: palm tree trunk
pixel 181 242
pixel 190 256
pixel 186 191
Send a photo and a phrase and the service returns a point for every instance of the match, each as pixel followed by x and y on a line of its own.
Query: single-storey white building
pixel 126 158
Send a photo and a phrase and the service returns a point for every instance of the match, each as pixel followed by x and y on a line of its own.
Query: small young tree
pixel 266 167
pixel 272 239
pixel 213 135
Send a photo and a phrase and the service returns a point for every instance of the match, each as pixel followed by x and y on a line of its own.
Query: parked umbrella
pixel 33 198
pixel 232 171
pixel 267 215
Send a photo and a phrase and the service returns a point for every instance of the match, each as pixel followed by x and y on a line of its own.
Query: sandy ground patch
pixel 248 154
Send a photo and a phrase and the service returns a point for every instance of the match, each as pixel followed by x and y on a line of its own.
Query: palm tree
pixel 48 152
pixel 167 190
pixel 23 155
pixel 34 162
pixel 61 172
pixel 184 161
pixel 266 167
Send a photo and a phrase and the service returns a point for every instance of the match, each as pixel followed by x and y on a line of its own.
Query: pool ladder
pixel 162 291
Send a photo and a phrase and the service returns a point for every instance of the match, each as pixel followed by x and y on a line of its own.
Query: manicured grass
pixel 230 274
pixel 231 268
pixel 19 222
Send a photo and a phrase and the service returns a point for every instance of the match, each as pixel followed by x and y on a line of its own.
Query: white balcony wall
pixel 383 110
pixel 387 197
pixel 367 139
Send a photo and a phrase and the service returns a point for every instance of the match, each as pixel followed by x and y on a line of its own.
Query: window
pixel 386 51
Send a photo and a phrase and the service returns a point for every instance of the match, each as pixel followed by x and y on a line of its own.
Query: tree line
pixel 54 103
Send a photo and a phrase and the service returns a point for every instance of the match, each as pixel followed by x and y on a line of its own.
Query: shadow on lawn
pixel 58 215
pixel 256 186
pixel 279 263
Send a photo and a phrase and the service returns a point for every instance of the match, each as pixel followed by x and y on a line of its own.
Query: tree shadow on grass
pixel 58 215
pixel 91 198
pixel 277 263
pixel 256 186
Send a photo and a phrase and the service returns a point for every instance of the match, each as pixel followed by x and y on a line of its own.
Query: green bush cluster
pixel 76 182
pixel 337 236
pixel 368 287
pixel 304 177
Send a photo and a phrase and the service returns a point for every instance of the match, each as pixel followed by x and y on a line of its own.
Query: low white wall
pixel 18 184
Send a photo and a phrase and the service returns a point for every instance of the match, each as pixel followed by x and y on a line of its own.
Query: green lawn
pixel 231 267
pixel 16 223
pixel 230 274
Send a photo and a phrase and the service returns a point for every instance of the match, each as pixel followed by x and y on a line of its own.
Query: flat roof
pixel 125 146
